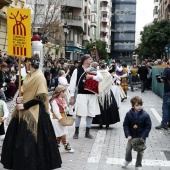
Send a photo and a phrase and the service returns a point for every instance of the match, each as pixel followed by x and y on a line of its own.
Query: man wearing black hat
pixel 86 103
pixel 76 63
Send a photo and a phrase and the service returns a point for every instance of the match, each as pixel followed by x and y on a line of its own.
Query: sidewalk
pixel 106 151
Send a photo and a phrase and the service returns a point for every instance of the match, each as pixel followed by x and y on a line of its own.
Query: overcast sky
pixel 144 15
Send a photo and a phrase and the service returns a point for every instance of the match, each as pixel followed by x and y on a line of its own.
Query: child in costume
pixel 58 107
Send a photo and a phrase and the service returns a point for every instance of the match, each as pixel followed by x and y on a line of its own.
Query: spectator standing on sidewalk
pixel 3 115
pixel 143 71
pixel 137 124
pixel 165 77
pixel 86 103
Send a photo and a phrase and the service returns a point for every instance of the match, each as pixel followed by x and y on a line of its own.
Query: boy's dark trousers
pixel 128 156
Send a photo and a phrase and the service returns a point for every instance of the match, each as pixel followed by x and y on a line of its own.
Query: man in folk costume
pixel 86 103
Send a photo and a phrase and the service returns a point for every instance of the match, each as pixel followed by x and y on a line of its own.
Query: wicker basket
pixel 67 121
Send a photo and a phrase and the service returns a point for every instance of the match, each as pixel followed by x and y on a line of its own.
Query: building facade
pixel 72 14
pixel 163 9
pixel 4 4
pixel 105 22
pixel 155 10
pixel 123 29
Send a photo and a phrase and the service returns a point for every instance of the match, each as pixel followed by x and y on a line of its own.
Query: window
pixel 40 9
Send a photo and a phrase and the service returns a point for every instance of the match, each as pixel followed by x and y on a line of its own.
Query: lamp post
pixel 65 28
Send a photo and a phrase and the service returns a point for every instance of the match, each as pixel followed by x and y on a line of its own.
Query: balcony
pixel 105 39
pixel 104 9
pixel 105 1
pixel 104 29
pixel 108 50
pixel 167 4
pixel 73 20
pixel 73 3
pixel 104 19
pixel 5 3
pixel 93 19
pixel 86 38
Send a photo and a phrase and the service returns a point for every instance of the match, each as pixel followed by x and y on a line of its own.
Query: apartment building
pixel 155 10
pixel 123 29
pixel 105 22
pixel 72 14
pixel 164 9
pixel 4 4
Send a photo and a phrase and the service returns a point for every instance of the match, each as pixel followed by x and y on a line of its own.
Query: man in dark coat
pixel 143 71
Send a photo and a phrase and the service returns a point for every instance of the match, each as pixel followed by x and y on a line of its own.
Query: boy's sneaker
pixel 68 148
pixel 125 164
pixel 138 168
pixel 162 127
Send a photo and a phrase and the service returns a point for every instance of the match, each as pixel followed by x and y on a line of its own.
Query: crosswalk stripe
pixel 97 147
pixel 145 162
pixel 156 114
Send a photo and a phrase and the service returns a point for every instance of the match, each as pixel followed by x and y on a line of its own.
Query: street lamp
pixel 65 28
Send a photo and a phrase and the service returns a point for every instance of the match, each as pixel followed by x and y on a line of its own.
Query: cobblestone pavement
pixel 106 151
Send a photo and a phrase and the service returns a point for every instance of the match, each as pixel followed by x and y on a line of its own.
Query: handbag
pixel 66 121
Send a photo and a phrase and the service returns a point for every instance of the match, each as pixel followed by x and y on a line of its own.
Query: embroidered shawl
pixel 105 87
pixel 34 87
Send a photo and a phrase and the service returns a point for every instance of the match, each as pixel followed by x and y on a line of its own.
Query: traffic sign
pixel 167 48
pixel 19 32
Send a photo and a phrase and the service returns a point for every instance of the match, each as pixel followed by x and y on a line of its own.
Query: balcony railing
pixel 5 3
pixel 104 29
pixel 104 9
pixel 105 39
pixel 73 3
pixel 73 17
pixel 73 20
pixel 104 1
pixel 104 19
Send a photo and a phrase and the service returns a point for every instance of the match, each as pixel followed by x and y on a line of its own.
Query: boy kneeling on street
pixel 137 124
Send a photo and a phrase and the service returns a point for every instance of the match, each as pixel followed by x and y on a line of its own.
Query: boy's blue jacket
pixel 142 121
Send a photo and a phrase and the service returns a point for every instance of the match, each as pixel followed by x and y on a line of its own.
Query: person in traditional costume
pixel 108 106
pixel 124 83
pixel 117 79
pixel 30 142
pixel 86 103
pixel 58 108
pixel 116 89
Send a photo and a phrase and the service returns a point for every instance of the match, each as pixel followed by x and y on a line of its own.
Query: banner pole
pixel 19 68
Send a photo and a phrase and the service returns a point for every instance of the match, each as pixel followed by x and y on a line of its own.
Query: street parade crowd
pixel 39 125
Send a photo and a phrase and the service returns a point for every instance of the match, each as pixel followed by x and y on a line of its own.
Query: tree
pixel 153 39
pixel 100 47
pixel 46 17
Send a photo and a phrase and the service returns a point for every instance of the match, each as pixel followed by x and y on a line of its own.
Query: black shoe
pixel 107 126
pixel 162 127
pixel 76 134
pixel 87 134
pixel 100 126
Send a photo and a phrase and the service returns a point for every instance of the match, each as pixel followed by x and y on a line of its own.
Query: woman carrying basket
pixel 58 107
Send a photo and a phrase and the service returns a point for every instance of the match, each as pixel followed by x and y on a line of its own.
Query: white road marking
pixel 145 162
pixel 97 148
pixel 156 114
